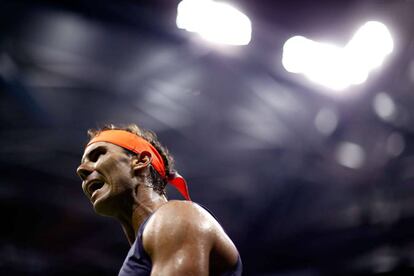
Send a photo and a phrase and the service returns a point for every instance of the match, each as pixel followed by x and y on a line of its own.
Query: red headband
pixel 136 144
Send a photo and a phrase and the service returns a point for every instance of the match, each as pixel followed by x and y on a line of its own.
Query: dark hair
pixel 158 183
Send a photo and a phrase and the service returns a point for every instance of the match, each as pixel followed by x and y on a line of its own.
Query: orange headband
pixel 134 143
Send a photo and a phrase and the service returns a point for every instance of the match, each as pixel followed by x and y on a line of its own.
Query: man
pixel 124 173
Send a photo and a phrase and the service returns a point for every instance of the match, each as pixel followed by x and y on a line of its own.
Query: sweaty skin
pixel 181 237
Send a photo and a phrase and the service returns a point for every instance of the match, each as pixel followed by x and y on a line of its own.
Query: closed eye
pixel 95 153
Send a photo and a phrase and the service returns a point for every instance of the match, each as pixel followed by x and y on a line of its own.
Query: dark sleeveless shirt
pixel 138 262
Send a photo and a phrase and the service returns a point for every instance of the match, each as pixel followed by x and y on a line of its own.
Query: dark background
pixel 241 128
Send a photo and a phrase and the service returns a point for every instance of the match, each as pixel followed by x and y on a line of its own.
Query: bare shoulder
pixel 186 212
pixel 182 219
pixel 178 224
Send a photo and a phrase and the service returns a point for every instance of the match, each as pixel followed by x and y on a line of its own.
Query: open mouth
pixel 94 186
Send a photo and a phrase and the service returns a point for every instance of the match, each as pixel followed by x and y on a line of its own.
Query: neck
pixel 145 202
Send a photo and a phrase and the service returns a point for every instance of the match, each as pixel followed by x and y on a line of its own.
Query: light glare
pixel 296 50
pixel 384 106
pixel 339 67
pixel 326 121
pixel 215 22
pixel 350 155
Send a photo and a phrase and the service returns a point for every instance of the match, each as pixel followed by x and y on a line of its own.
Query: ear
pixel 141 161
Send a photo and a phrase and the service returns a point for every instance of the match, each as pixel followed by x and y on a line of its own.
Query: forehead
pixel 108 146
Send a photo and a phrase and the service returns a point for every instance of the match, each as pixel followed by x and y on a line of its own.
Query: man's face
pixel 107 177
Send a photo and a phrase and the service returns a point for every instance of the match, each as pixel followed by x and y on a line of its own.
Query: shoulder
pixel 184 211
pixel 179 220
pixel 183 227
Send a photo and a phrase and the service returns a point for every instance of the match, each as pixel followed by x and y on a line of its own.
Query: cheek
pixel 114 167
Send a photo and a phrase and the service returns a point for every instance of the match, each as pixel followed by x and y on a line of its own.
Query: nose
pixel 83 171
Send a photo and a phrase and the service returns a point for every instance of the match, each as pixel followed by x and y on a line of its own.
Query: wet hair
pixel 158 183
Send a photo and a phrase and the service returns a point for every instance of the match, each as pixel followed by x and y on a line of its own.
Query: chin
pixel 103 207
pixel 111 204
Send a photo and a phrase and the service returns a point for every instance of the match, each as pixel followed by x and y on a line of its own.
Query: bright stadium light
pixel 370 44
pixel 297 53
pixel 214 21
pixel 339 67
